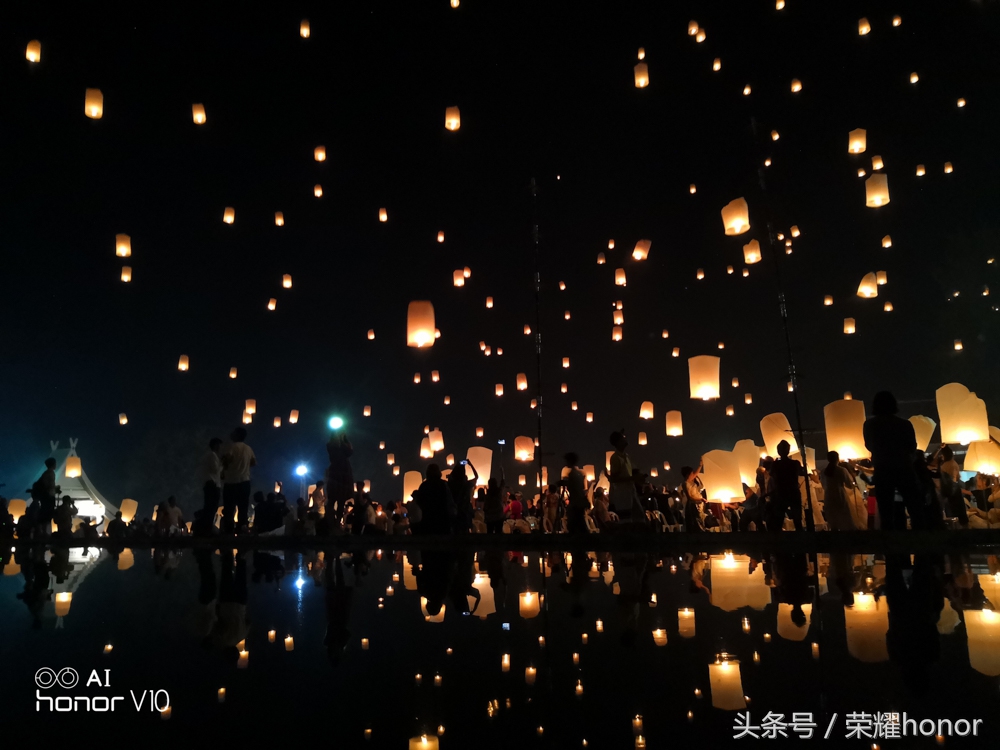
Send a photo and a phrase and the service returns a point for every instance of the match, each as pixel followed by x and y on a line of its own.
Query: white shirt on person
pixel 237 463
pixel 210 469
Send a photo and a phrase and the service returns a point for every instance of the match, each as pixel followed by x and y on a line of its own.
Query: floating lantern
pixel 747 398
pixel 796 85
pixel 272 304
pixel 528 605
pixel 962 415
pixel 646 410
pixel 920 170
pixel 849 326
pixel 828 300
pixel 641 72
pixel 717 64
pixel 914 78
pixel 676 352
pixel 923 428
pixel 420 324
pixel 692 28
pixel 319 153
pixel 573 406
pixel 437 440
pixel 775 135
pixel 123 246
pixel 867 623
pixel 619 277
pixel 857 141
pixel 590 416
pixel 565 362
pixel 395 471
pixel 93 104
pixel 367 411
pixel 318 191
pixel 198 114
pixel 721 476
pixel 390 458
pixel 703 372
pixel 845 421
pixel 600 259
pixel 304 29
pixel 868 287
pixel 467 272
pixel 229 215
pixel 675 427
pixel 948 169
pixel 863 27
pixel 736 217
pixel 700 36
pixel 751 252
pixel 499 389
pixel 522 381
pixel 64 599
pixel 730 411
pixel 641 251
pixel 425 449
pixel 458 278
pixel 479 432
pixel 642 53
pixel 642 440
pixel 489 303
pixel 126 274
pixel 746 92
pixel 774 428
pixel 727 688
pixel 876 163
pixel 700 274
pixel 746 272
pixel 183 363
pixel 33 53
pixel 452 118
pixel 876 191
pixel 251 406
pixel 616 333
pixel 293 416
pixel 887 307
pixel 279 219
pixel 983 457
pixel 383 215
pixel 222 695
pixel 618 317
pixel 286 281
pixel 961 102
pixel 247 419
pixel 881 278
pixel 747 458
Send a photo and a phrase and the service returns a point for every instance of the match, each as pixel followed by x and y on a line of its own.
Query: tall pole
pixel 783 308
pixel 538 327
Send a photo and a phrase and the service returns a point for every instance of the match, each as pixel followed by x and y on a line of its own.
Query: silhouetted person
pixel 576 486
pixel 210 477
pixel 339 477
pixel 622 495
pixel 43 497
pixel 339 598
pixel 837 482
pixel 461 492
pixel 786 497
pixel 236 477
pixel 913 641
pixel 64 516
pixel 893 445
pixel 493 506
pixel 117 528
pixel 437 508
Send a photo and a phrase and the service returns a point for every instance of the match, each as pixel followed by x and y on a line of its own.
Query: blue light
pixel 301 470
pixel 300 583
pixel 336 423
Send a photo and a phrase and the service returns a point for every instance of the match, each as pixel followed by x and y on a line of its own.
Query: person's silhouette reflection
pixel 36 582
pixel 435 579
pixel 791 574
pixel 230 626
pixel 461 586
pixel 267 566
pixel 339 598
pixel 630 575
pixel 915 598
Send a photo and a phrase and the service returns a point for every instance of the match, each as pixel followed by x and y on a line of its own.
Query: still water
pixel 499 649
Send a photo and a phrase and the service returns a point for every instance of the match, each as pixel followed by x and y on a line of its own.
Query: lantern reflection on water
pixel 726 685
pixel 734 586
pixel 867 623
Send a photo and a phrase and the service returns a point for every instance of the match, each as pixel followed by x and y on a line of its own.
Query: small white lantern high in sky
pixel 877 190
pixel 452 118
pixel 641 72
pixel 198 114
pixel 751 252
pixel 93 104
pixel 736 217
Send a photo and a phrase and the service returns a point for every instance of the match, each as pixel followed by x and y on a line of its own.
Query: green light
pixel 336 423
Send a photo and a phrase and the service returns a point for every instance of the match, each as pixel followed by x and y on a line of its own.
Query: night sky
pixel 546 91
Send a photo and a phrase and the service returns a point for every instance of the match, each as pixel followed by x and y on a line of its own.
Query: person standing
pixel 493 506
pixel 786 497
pixel 339 478
pixel 210 477
pixel 437 507
pixel 893 445
pixel 622 492
pixel 236 482
pixel 461 492
pixel 576 487
pixel 837 482
pixel 43 493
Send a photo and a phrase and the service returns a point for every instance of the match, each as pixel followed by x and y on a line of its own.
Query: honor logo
pixel 67 678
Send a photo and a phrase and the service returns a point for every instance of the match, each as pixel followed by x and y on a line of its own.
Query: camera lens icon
pixel 46 677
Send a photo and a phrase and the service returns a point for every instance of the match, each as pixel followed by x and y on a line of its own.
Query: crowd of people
pixel 899 487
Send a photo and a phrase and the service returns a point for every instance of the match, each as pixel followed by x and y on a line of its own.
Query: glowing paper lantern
pixel 123 246
pixel 849 326
pixel 293 416
pixel 251 406
pixel 489 303
pixel 685 623
pixel 796 85
pixel 675 426
pixel 17 508
pixel 620 277
pixel 616 333
pixel 721 476
pixel 499 389
pixel 411 483
pixel 33 53
pixel 727 687
pixel 93 104
pixel 452 118
pixel 642 439
pixel 63 601
pixel 319 153
pixel 703 372
pixel 318 190
pixel 183 363
pixel 736 217
pixel 857 141
pixel 74 467
pixel 863 27
pixel 600 259
pixel 773 429
pixel 436 438
pixel 867 623
pixel 286 281
pixel 641 72
pixel 425 448
pixel 528 605
pixel 983 629
pixel 420 324
pixel 948 169
pixel 565 362
pixel 962 415
pixel 272 304
pixel 923 428
pixel 304 28
pixel 748 459
pixel 383 215
pixel 868 287
pixel 458 278
pixel 914 78
pixel 787 629
pixel 522 381
pixel 641 251
pixel 734 586
pixel 126 274
pixel 983 456
pixel 482 459
pixel 229 215
pixel 279 219
pixel 646 410
pixel 877 190
pixel 751 252
pixel 920 170
pixel 845 422
pixel 367 411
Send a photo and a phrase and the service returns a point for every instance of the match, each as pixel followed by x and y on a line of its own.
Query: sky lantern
pixel 692 28
pixel 440 237
pixel 641 71
pixel 279 219
pixel 734 586
pixel 34 51
pixel 701 36
pixel 787 628
pixel 641 251
pixel 727 687
pixel 293 416
pixel 619 277
pixel 887 307
pixel 867 623
pixel 642 439
pixel 452 118
pixel 183 363
pixel 675 426
pixel 703 372
pixel 250 406
pixel 93 104
pixel 524 448
pixel 590 416
pixel 849 325
pixel 436 438
pixel 458 278
pixel 616 333
pixel 960 103
pixel 887 241
pixel 896 20
pixel 126 274
pixel 717 64
pixel 390 459
pixel 845 423
pixel 774 428
pixel 286 281
pixel 482 458
pixel 198 114
pixel 948 169
pixel 736 217
pixel 721 477
pixel 920 170
pixel 983 629
pixel 646 410
pixel 924 428
pixel 746 92
pixel 600 259
pixel 425 449
pixel 914 78
pixel 748 459
pixel 565 362
pixel 522 381
pixel 367 411
pixel 751 252
pixel 416 379
pixel 489 303
pixel 479 432
pixel 796 85
pixel 983 457
pixel 857 141
pixel 868 287
pixel 277 422
pixel 499 389
pixel 383 215
pixel 642 53
pixel 881 278
pixel 420 324
pixel 304 28
pixel 123 418
pixel 692 188
pixel 877 162
pixel 467 272
pixel 962 415
pixel 618 318
pixel 272 304
pixel 318 190
pixel 528 605
pixel 229 215
pixel 74 467
pixel 863 27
